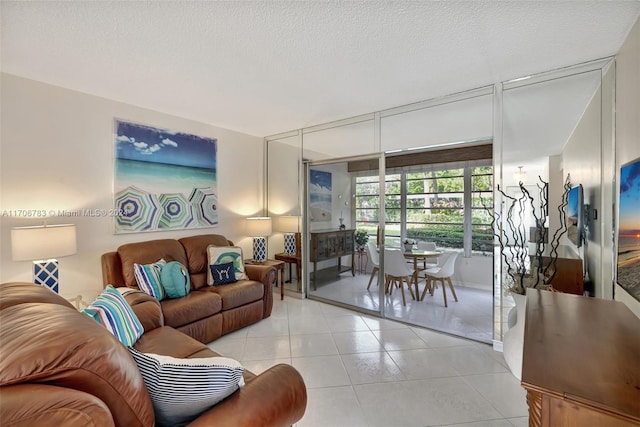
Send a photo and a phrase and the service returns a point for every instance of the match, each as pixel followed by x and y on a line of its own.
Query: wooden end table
pixel 291 259
pixel 279 266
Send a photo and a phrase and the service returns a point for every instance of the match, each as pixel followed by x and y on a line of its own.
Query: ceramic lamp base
pixel 290 243
pixel 45 273
pixel 259 249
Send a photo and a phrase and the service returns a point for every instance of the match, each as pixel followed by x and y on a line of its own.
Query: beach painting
pixel 320 195
pixel 163 180
pixel 628 266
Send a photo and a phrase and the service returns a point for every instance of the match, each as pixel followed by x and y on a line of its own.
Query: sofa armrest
pixel 268 275
pixel 25 405
pixel 112 270
pixel 277 397
pixel 146 307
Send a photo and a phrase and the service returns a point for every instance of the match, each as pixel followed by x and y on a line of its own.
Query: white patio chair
pixel 441 274
pixel 374 257
pixel 397 272
pixel 428 262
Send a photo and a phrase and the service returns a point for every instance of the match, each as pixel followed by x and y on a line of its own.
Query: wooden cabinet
pixel 580 362
pixel 330 244
pixel 569 276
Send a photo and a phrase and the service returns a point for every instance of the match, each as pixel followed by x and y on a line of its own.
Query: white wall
pixel 57 152
pixel 581 158
pixel 628 120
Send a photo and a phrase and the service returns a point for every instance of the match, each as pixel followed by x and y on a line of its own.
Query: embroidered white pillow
pixel 223 255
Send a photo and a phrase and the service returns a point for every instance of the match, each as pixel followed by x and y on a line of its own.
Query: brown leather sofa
pixel 207 312
pixel 59 367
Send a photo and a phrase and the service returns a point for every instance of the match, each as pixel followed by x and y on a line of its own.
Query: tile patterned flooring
pixel 470 317
pixel 366 371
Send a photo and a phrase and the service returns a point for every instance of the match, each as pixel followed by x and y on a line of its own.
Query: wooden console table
pixel 330 244
pixel 581 361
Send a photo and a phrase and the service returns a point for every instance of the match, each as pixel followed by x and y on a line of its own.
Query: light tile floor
pixel 366 371
pixel 470 317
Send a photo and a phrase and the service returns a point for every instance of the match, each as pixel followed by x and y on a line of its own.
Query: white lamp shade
pixel 289 224
pixel 43 242
pixel 259 226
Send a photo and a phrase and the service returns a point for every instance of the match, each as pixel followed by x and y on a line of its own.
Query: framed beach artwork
pixel 320 195
pixel 164 180
pixel 628 266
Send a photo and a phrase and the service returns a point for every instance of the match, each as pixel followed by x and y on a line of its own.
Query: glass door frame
pixel 306 228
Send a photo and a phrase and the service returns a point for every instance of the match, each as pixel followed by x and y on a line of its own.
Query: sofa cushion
pixel 112 311
pixel 223 255
pixel 175 280
pixel 223 273
pixel 195 306
pixel 181 389
pixel 240 293
pixel 147 253
pixel 195 248
pixel 148 278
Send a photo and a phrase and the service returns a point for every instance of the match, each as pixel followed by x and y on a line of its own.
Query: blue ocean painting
pixel 160 161
pixel 320 195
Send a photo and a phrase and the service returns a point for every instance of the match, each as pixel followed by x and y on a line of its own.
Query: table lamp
pixel 42 244
pixel 290 225
pixel 259 228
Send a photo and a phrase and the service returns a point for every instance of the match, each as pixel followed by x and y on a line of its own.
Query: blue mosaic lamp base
pixel 45 273
pixel 259 249
pixel 289 243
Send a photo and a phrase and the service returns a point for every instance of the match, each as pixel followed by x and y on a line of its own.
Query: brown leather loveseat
pixel 59 367
pixel 207 312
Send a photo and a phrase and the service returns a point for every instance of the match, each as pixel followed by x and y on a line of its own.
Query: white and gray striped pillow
pixel 181 389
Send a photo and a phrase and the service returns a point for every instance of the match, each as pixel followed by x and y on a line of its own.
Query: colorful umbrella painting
pixel 158 172
pixel 176 211
pixel 205 206
pixel 140 210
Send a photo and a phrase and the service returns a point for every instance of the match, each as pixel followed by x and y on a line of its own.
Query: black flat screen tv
pixel 575 215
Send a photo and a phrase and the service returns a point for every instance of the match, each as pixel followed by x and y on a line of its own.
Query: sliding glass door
pixel 342 264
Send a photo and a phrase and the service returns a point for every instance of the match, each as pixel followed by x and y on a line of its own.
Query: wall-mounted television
pixel 575 215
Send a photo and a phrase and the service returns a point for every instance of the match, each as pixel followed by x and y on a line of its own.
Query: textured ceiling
pixel 267 67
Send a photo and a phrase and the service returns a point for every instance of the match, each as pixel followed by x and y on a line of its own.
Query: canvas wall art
pixel 320 195
pixel 628 266
pixel 164 180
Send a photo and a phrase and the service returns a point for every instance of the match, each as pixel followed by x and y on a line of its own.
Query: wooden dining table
pixel 416 255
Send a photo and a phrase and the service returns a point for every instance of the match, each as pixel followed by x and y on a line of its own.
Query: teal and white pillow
pixel 223 255
pixel 148 278
pixel 181 389
pixel 175 280
pixel 112 311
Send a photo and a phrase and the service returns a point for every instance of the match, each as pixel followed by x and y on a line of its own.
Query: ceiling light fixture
pixel 520 176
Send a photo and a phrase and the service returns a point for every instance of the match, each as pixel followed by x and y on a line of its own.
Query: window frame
pixel 399 175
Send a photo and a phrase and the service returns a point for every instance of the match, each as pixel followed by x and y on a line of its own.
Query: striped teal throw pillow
pixel 148 277
pixel 114 313
pixel 181 389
